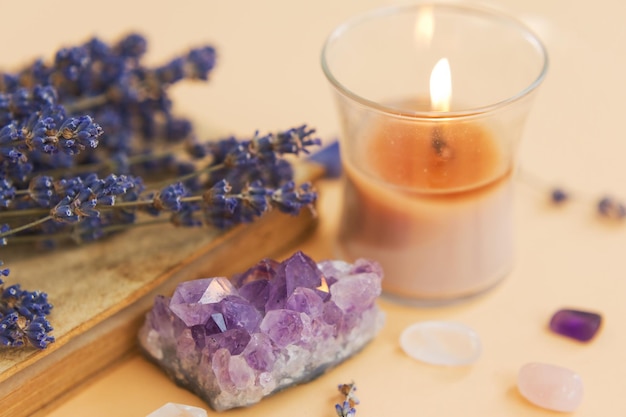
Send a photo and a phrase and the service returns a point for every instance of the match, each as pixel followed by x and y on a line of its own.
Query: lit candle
pixel 435 209
pixel 428 189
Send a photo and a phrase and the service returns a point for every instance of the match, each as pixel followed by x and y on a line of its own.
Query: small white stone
pixel 178 410
pixel 441 343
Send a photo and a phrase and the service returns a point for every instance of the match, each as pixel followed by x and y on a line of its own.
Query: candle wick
pixel 440 145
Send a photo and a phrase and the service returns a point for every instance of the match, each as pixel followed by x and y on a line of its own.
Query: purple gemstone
pixel 576 324
pixel 203 291
pixel 257 292
pixel 241 374
pixel 160 317
pixel 263 270
pixel 193 301
pixel 301 271
pixel 260 352
pixel 186 345
pixel 356 294
pixel 277 324
pixel 239 313
pixel 219 363
pixel 361 266
pixel 284 327
pixel 305 300
pixel 199 335
pixel 215 323
pixel 333 316
pixel 277 292
pixel 234 340
pixel 334 269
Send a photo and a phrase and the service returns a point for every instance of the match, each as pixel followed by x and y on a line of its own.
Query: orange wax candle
pixel 432 203
pixel 429 190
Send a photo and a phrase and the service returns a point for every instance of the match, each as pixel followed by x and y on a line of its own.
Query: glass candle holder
pixel 432 100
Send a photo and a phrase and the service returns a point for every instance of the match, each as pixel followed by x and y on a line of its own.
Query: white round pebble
pixel 441 343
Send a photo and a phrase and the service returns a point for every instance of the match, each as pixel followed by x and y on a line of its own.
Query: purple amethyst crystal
pixel 194 301
pixel 284 327
pixel 301 271
pixel 576 324
pixel 260 352
pixel 305 300
pixel 277 324
pixel 240 313
pixel 257 292
pixel 262 271
pixel 233 340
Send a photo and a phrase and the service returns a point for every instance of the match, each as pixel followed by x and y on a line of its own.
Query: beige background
pixel 268 78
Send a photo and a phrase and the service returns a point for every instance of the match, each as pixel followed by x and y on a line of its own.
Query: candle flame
pixel 424 25
pixel 441 86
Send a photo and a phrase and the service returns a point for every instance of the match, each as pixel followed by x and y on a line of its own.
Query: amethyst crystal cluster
pixel 233 342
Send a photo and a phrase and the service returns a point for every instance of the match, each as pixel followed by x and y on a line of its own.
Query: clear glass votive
pixel 432 100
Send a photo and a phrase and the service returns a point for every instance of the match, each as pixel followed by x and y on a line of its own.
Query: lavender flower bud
pixel 133 46
pixel 7 193
pixel 201 61
pixel 291 200
pixel 64 212
pixel 170 197
pixel 71 61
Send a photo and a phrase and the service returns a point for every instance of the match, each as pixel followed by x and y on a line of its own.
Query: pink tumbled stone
pixel 550 386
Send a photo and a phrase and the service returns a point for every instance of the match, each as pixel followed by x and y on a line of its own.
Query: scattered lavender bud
pixel 345 410
pixel 347 407
pixel 611 208
pixel 558 196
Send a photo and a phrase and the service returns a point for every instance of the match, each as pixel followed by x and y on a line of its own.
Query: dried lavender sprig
pixel 218 207
pixel 347 407
pixel 33 121
pixel 129 100
pixel 44 192
pixel 258 159
pixel 38 132
pixel 76 197
pixel 95 67
pixel 23 316
pixel 48 131
pixel 238 161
